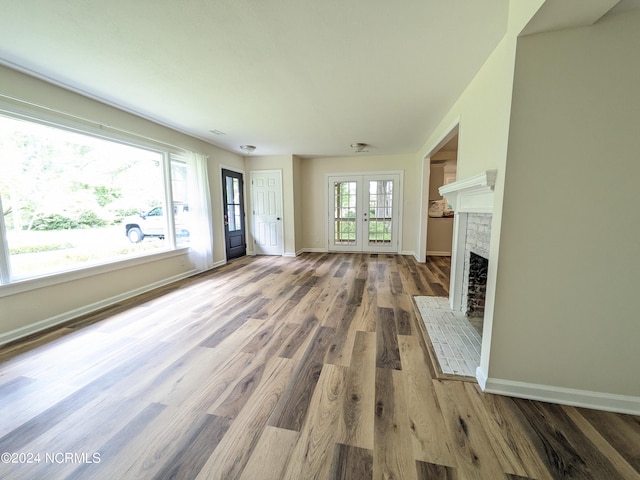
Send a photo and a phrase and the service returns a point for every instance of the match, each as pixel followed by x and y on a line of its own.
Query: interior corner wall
pixel 565 316
pixel 25 312
pixel 297 202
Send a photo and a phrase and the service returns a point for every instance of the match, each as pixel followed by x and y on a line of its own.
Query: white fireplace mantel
pixel 471 195
pixel 468 196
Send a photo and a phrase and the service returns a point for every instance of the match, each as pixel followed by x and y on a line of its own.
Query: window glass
pixel 71 200
pixel 345 212
pixel 380 211
pixel 233 217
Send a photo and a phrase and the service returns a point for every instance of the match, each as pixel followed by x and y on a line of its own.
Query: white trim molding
pixel 481 377
pixel 315 250
pixel 564 396
pixel 471 195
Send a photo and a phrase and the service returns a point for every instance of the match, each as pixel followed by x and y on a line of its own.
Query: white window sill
pixel 26 285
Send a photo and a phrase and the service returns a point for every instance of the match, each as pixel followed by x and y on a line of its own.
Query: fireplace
pixel 472 202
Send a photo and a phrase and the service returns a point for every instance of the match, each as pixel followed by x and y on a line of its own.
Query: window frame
pixel 19 110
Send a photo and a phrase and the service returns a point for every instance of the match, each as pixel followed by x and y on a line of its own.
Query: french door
pixel 364 212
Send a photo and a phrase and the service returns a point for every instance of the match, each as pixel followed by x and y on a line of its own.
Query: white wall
pixel 565 314
pixel 21 313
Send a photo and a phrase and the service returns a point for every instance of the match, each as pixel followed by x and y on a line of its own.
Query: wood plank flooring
pixel 281 368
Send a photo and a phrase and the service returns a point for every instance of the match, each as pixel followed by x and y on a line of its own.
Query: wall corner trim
pixel 481 377
pixel 565 396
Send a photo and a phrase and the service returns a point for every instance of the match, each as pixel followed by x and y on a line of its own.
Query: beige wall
pixel 440 236
pixel 314 194
pixel 569 249
pixel 22 310
pixel 297 200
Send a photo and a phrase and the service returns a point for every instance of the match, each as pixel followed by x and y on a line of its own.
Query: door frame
pixel 252 209
pixel 329 214
pixel 222 167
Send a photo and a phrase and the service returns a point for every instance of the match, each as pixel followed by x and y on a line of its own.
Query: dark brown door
pixel 234 231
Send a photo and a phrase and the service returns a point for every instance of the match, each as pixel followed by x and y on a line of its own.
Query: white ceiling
pixel 289 76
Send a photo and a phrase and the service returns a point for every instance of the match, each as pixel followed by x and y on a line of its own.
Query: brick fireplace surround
pixel 476 261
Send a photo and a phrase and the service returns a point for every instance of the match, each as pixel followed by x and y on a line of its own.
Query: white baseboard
pixel 407 252
pixel 71 314
pixel 315 250
pixel 217 264
pixel 289 254
pixel 438 253
pixel 565 396
pixel 481 377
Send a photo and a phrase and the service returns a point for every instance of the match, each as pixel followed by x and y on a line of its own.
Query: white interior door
pixel 364 211
pixel 266 199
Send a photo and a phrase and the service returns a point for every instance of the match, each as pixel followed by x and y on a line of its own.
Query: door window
pixel 345 212
pixel 233 204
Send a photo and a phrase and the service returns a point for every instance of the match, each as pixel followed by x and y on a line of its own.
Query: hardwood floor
pixel 281 368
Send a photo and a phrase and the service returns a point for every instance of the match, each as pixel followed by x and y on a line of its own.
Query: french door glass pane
pixel 345 212
pixel 380 211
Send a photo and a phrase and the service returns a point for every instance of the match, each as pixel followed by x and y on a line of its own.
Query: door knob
pixel 278 218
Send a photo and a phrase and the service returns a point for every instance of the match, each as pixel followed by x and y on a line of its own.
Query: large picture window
pixel 70 200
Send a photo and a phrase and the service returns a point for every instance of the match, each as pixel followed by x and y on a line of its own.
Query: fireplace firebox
pixel 478 267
